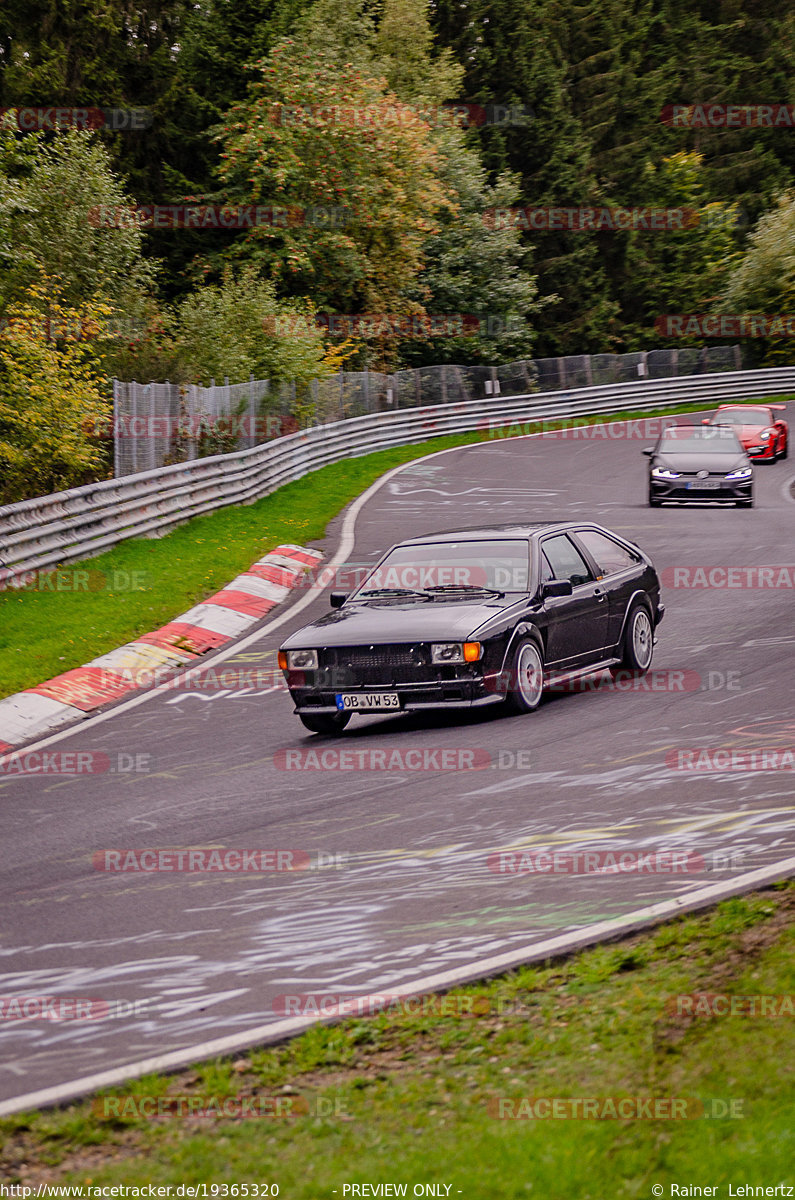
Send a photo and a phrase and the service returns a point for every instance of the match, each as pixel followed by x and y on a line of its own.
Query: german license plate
pixel 367 701
pixel 703 485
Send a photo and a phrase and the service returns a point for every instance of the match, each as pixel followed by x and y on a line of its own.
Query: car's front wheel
pixel 526 682
pixel 328 723
pixel 784 449
pixel 637 645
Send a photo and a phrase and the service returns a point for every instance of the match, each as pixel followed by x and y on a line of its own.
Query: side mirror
pixel 648 451
pixel 556 587
pixel 337 599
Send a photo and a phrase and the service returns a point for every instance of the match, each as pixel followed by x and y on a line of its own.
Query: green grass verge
pixel 143 583
pixel 405 1098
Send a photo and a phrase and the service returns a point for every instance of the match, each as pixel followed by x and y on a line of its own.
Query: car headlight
pixel 298 660
pixel 455 652
pixel 765 435
pixel 664 473
pixel 742 473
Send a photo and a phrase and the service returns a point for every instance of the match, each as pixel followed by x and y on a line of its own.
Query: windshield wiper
pixel 386 592
pixel 464 587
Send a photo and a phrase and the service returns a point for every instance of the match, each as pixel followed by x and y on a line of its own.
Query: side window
pixel 566 561
pixel 546 570
pixel 608 555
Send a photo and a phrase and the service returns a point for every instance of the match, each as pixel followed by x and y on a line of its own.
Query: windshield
pixel 718 439
pixel 447 568
pixel 742 416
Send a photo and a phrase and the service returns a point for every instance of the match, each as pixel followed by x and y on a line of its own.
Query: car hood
pixel 700 462
pixel 390 622
pixel 749 433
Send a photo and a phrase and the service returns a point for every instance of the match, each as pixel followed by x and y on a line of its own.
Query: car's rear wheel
pixel 637 645
pixel 526 682
pixel 328 723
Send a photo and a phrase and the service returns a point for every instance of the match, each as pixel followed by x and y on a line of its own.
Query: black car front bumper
pixel 691 488
pixel 402 669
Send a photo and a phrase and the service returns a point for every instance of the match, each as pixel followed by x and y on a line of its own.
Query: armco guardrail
pixel 46 532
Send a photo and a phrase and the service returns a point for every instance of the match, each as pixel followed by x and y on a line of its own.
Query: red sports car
pixel 763 433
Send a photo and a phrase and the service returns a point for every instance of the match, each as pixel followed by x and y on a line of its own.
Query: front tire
pixel 653 502
pixel 329 724
pixel 526 683
pixel 637 643
pixel 785 451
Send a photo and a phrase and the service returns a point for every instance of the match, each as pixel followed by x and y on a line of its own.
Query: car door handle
pixel 599 594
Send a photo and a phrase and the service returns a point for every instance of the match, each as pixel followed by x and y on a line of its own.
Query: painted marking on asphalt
pixel 278 1030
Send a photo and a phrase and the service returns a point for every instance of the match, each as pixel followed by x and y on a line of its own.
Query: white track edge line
pixel 281 1030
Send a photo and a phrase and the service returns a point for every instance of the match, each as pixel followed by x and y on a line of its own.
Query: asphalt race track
pixel 408 888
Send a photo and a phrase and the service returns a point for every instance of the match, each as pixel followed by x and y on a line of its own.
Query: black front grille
pixel 379 664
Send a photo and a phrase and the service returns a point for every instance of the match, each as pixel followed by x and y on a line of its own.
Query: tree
pixel 52 394
pixel 763 280
pixel 68 217
pixel 675 271
pixel 239 329
pixel 355 170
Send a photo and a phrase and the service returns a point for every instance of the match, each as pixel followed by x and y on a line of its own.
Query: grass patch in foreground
pixel 405 1098
pixel 143 583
